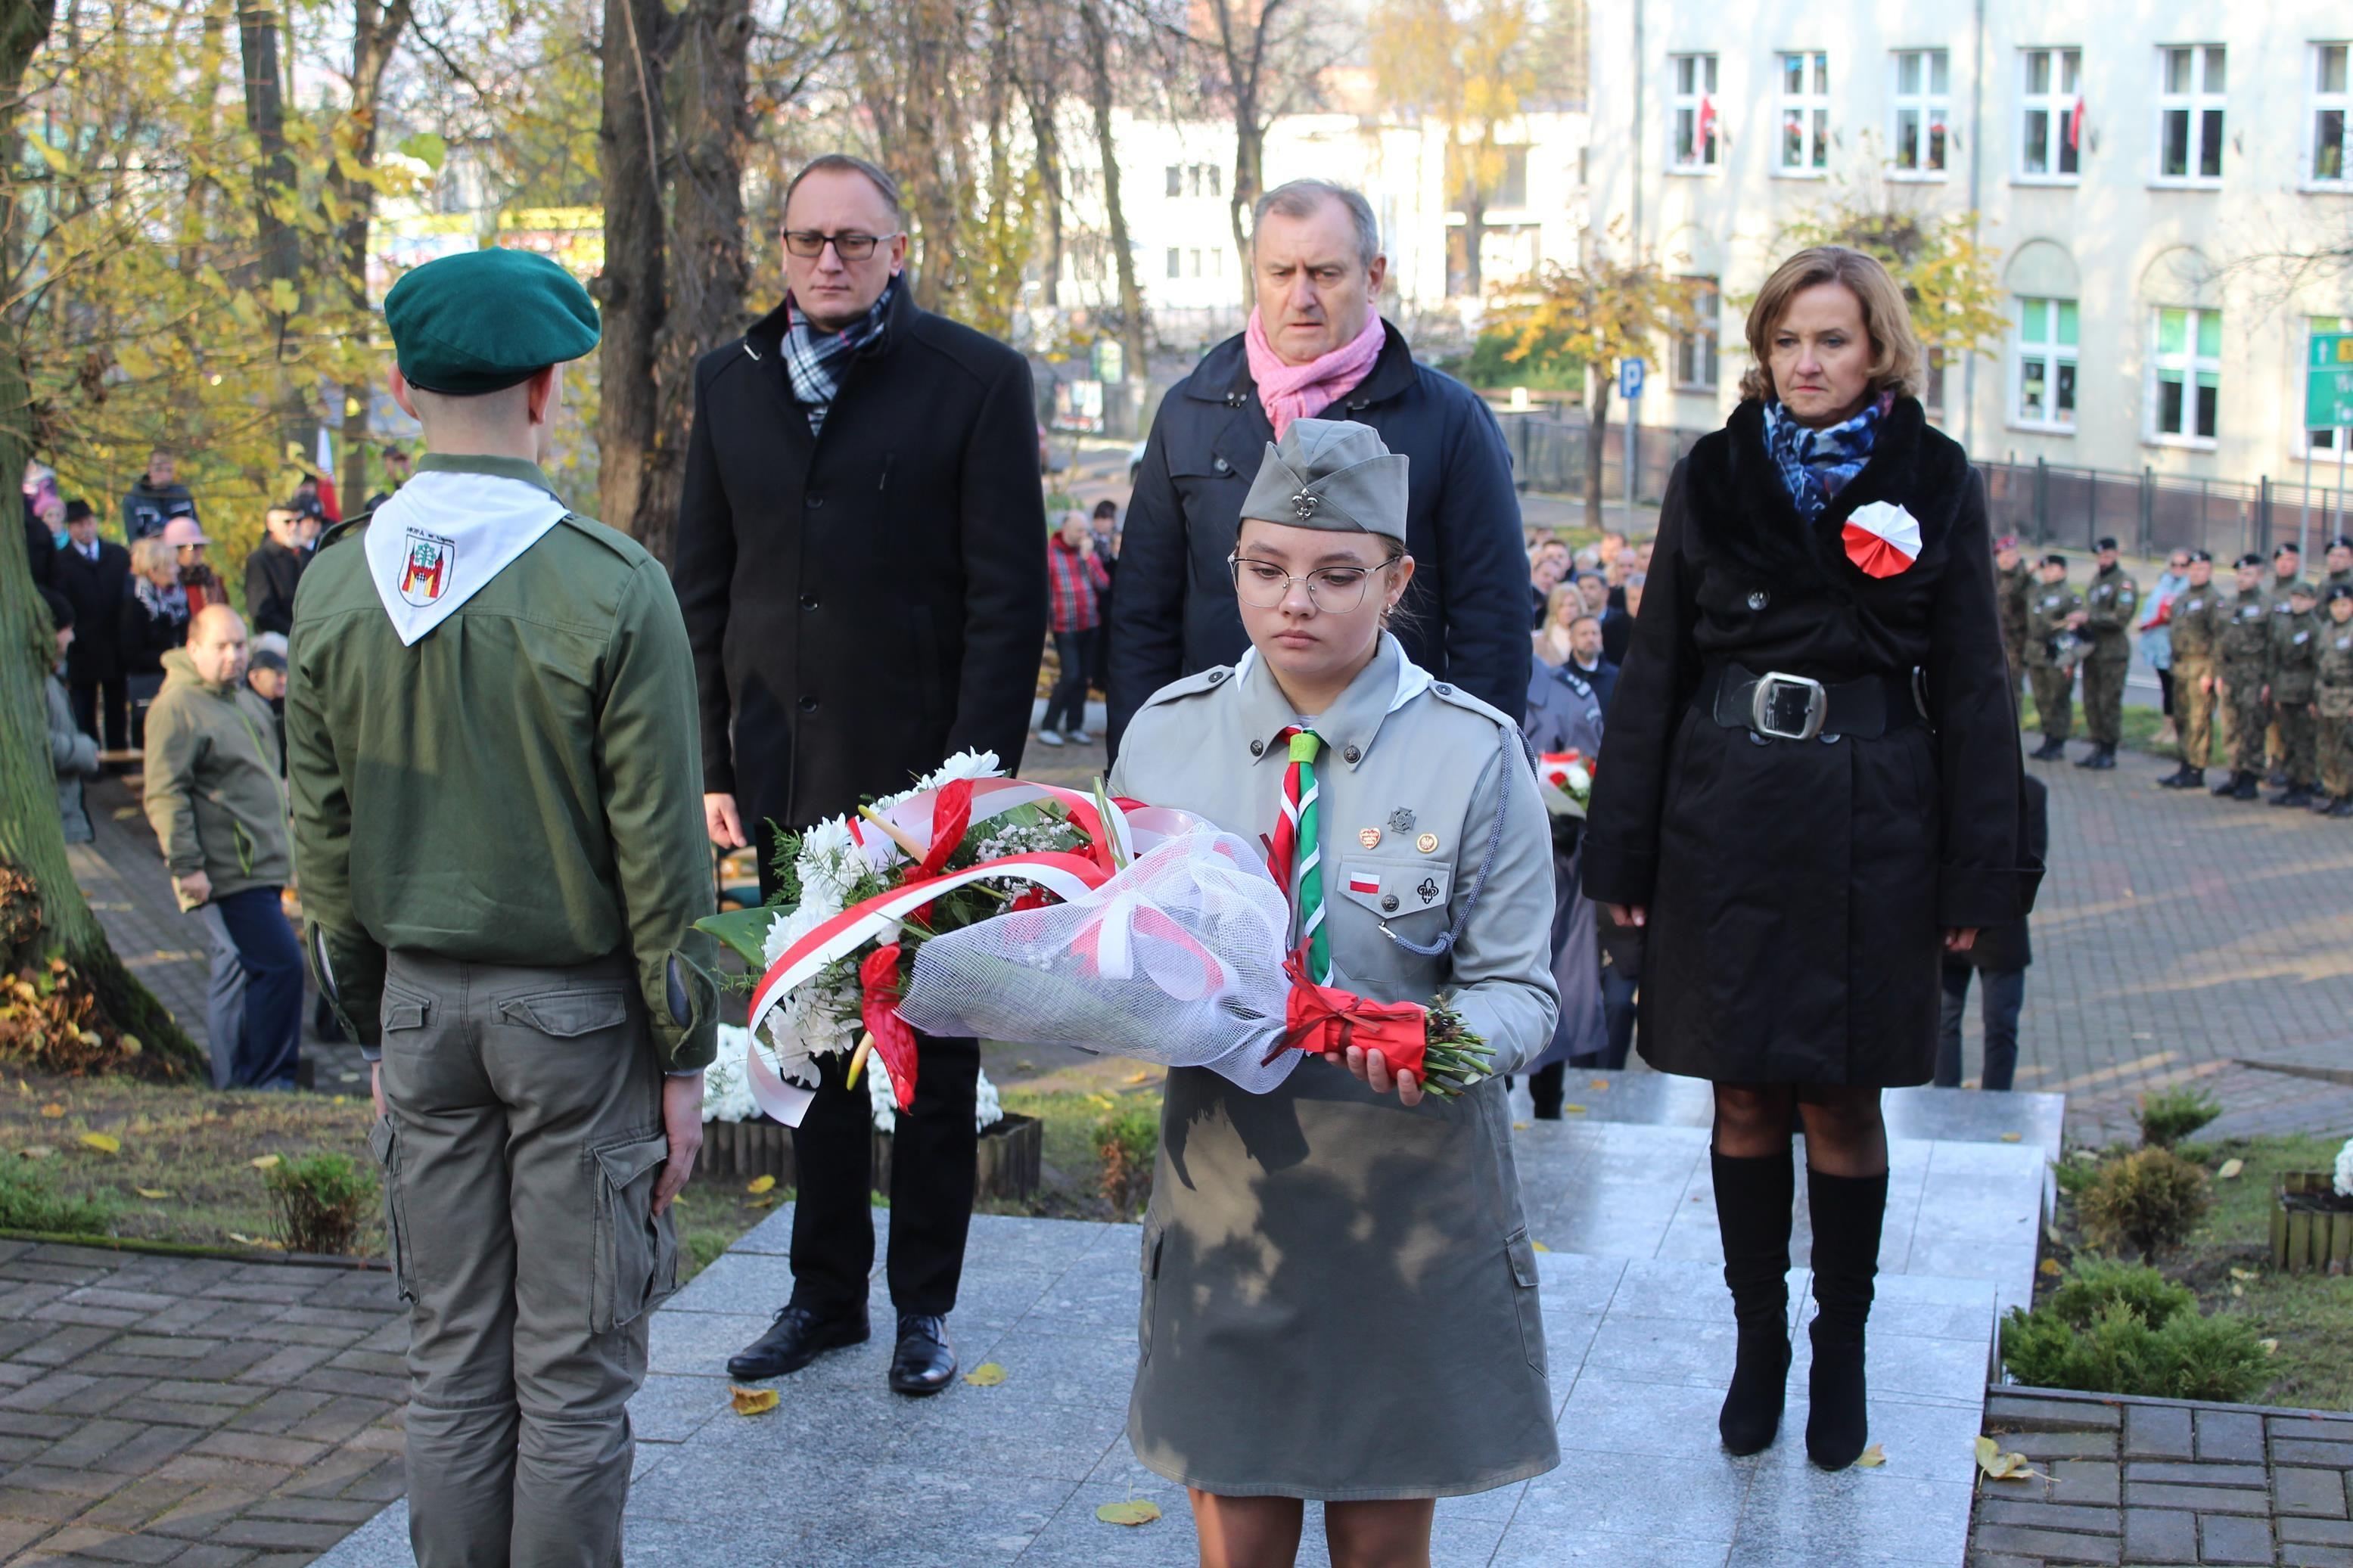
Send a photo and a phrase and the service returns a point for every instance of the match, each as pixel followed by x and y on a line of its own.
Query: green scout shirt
pixel 521 786
pixel 2196 620
pixel 2293 666
pixel 2046 617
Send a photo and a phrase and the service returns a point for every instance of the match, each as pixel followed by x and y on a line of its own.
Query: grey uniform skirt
pixel 1339 1295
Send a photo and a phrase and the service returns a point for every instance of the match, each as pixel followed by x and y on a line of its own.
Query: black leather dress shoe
pixel 924 1362
pixel 797 1338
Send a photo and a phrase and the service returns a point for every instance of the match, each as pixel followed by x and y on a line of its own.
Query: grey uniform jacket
pixel 1299 1236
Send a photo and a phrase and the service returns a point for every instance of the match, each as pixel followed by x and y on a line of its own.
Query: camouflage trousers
pixel 2337 754
pixel 2299 740
pixel 2194 712
pixel 2104 699
pixel 2055 700
pixel 2248 716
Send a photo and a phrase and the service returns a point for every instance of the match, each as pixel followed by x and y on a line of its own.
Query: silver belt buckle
pixel 1761 707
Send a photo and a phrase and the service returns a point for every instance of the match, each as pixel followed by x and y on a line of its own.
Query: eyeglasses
pixel 1263 585
pixel 807 242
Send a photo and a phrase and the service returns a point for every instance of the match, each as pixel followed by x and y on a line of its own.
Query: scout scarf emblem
pixel 1882 539
pixel 444 536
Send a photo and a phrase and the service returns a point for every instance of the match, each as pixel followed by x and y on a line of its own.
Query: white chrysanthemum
pixel 829 839
pixel 2344 1181
pixel 986 1112
pixel 1579 780
pixel 726 1092
pixel 963 765
pixel 790 927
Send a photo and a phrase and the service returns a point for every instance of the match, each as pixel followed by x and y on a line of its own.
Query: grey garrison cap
pixel 1330 474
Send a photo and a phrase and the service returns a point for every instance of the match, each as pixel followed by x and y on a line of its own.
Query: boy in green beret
pixel 494 768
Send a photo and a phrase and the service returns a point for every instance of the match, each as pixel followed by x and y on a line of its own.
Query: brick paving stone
pixel 2090 1481
pixel 2230 1435
pixel 2300 1451
pixel 2154 1431
pixel 112 1546
pixel 2224 1539
pixel 2320 1493
pixel 2160 1535
pixel 2050 1516
pixel 2197 1474
pixel 2293 1556
pixel 2047 1545
pixel 2062 1445
pixel 2202 1499
pixel 2321 1532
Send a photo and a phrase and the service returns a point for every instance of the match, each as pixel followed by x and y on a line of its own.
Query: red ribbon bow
pixel 878 1003
pixel 1320 1018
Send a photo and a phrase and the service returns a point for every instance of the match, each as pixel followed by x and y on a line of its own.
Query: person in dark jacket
pixel 861 562
pixel 73 755
pixel 1316 346
pixel 94 573
pixel 273 570
pixel 1812 793
pixel 150 621
pixel 2000 956
pixel 45 521
pixel 156 498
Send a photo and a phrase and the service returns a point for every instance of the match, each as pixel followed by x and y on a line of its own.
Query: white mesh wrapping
pixel 1176 960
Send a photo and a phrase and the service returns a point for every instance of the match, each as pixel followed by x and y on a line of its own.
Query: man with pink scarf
pixel 1317 346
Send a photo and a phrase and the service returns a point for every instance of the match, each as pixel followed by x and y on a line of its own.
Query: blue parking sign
pixel 1630 379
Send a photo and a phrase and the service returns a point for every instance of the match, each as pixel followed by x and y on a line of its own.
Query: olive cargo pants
pixel 2104 698
pixel 2193 712
pixel 2055 700
pixel 523 1139
pixel 2299 742
pixel 2250 716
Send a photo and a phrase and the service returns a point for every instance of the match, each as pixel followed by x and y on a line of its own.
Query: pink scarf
pixel 1301 390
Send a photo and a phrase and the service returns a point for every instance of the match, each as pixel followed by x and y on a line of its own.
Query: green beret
pixel 1332 474
pixel 483 320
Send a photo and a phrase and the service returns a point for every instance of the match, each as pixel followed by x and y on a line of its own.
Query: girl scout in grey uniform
pixel 1339 1295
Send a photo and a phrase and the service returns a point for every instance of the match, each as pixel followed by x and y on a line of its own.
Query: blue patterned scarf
pixel 1816 464
pixel 816 359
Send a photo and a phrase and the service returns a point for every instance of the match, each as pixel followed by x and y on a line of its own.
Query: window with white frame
pixel 2321 444
pixel 1691 111
pixel 1922 125
pixel 2185 376
pixel 2043 375
pixel 1695 337
pixel 2328 155
pixel 2190 85
pixel 1176 262
pixel 1175 179
pixel 1803 100
pixel 2051 114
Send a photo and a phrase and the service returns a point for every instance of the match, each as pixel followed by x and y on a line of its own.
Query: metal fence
pixel 2042 503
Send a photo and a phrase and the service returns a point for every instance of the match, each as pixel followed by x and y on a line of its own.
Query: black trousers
pixel 1075 651
pixel 931 1172
pixel 107 700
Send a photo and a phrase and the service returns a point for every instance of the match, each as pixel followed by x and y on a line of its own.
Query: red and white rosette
pixel 1882 539
pixel 939 819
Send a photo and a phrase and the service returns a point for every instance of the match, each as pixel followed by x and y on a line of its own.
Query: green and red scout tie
pixel 1297 860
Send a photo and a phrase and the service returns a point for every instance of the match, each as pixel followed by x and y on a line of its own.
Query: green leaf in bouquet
pixel 744 932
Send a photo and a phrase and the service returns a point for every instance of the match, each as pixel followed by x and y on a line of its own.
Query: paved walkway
pixel 198 1412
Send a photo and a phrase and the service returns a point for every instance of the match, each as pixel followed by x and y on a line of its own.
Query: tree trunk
pixel 1122 252
pixel 54 920
pixel 375 35
pixel 1597 441
pixel 631 289
pixel 1049 141
pixel 929 129
pixel 1474 229
pixel 1250 176
pixel 709 130
pixel 279 243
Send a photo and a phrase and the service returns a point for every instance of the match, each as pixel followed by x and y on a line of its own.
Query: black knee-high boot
pixel 1847 1212
pixel 1753 1206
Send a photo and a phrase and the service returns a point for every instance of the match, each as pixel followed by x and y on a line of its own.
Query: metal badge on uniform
pixel 1427 843
pixel 1428 890
pixel 1401 820
pixel 1370 838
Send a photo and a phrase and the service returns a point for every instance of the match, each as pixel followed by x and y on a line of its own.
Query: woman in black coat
pixel 1813 793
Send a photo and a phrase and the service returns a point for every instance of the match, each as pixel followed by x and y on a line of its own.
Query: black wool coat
pixel 2010 946
pixel 1798 891
pixel 864 603
pixel 96 589
pixel 1464 619
pixel 272 575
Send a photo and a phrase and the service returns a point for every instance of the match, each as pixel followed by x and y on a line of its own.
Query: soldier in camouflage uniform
pixel 2239 655
pixel 2196 623
pixel 2292 676
pixel 2052 616
pixel 2333 698
pixel 2288 567
pixel 2109 604
pixel 2013 591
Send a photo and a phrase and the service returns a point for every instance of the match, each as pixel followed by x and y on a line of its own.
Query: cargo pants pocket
pixel 636 1255
pixel 1525 1300
pixel 1154 1239
pixel 384 1143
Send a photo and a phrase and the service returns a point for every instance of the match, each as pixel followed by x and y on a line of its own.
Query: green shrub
pixel 2149 1200
pixel 2170 1115
pixel 28 1203
pixel 1127 1142
pixel 322 1199
pixel 2095 1284
pixel 2118 1351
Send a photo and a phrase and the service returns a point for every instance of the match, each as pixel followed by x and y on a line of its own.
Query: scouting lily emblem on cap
pixel 1305 502
pixel 425 576
pixel 1882 538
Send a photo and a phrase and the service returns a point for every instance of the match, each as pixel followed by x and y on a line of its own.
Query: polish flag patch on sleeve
pixel 1364 882
pixel 1882 538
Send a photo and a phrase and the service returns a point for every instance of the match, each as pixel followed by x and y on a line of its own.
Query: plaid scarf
pixel 1816 464
pixel 815 359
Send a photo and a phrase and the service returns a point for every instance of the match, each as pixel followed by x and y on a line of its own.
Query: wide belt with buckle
pixel 1783 707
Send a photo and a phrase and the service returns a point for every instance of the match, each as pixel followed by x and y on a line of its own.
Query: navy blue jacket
pixel 1465 617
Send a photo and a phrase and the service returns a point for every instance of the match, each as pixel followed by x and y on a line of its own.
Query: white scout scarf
pixel 444 535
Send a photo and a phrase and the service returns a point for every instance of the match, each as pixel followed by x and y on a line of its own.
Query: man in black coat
pixel 273 571
pixel 90 572
pixel 156 496
pixel 1316 257
pixel 861 564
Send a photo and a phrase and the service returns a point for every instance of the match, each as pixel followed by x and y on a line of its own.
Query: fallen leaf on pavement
pixel 2242 1274
pixel 2000 1467
pixel 1598 1086
pixel 1519 1127
pixel 1540 1247
pixel 1133 1513
pixel 2012 1136
pixel 987 1375
pixel 2229 1169
pixel 753 1401
pixel 53 1110
pixel 1143 1077
pixel 1572 1111
pixel 264 1163
pixel 1871 1458
pixel 759 1184
pixel 104 1143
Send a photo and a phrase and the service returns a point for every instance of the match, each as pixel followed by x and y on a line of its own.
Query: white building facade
pixel 2131 165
